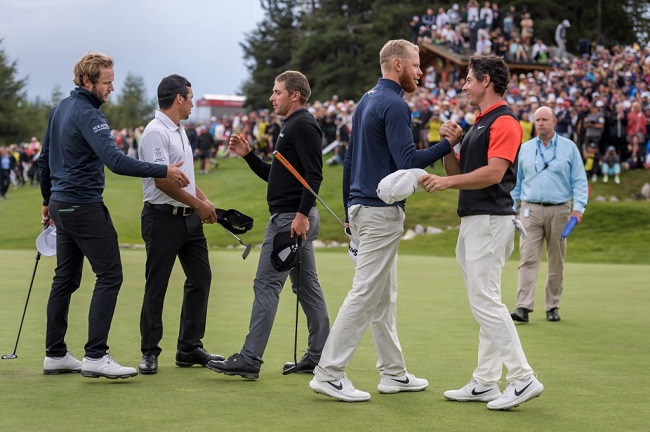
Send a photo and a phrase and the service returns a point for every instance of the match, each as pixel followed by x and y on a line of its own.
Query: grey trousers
pixel 268 285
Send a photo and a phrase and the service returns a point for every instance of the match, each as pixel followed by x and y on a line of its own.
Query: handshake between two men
pixel 453 133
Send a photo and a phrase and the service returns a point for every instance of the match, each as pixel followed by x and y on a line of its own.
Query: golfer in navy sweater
pixel 76 147
pixel 381 143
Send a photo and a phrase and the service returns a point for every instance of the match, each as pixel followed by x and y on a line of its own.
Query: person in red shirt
pixel 483 167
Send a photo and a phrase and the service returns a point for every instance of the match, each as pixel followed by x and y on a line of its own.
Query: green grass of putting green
pixel 593 363
pixel 611 232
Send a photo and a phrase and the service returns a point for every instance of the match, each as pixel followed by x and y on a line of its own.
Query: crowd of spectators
pixel 18 165
pixel 601 99
pixel 473 29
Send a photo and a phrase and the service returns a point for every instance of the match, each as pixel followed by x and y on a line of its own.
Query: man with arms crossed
pixel 76 147
pixel 485 175
pixel 172 220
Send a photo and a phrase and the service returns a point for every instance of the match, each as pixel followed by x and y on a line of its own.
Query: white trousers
pixel 484 244
pixel 372 299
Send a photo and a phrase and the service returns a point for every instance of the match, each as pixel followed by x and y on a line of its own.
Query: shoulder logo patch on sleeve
pixel 100 127
pixel 158 156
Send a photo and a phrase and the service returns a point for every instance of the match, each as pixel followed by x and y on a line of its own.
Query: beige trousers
pixel 543 224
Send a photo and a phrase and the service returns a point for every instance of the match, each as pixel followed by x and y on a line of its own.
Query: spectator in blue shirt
pixel 550 176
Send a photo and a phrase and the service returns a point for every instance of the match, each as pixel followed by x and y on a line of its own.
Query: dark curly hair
pixel 494 67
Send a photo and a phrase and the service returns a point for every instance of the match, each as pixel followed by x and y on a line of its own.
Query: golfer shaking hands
pixel 381 143
pixel 293 210
pixel 172 226
pixel 76 147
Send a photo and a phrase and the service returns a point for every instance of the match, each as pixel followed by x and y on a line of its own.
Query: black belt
pixel 168 208
pixel 546 204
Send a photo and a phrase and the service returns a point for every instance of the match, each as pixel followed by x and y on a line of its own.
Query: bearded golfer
pixel 381 142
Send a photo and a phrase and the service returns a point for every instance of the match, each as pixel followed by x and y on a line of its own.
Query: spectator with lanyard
pixel 551 188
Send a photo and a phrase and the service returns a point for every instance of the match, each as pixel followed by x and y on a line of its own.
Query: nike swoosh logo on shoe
pixel 475 393
pixel 519 392
pixel 405 381
pixel 338 387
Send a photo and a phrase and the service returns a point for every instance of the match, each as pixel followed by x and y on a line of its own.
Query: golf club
pixel 29 292
pixel 297 175
pixel 295 332
pixel 247 246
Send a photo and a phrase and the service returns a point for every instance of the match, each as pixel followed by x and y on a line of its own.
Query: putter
pixel 247 246
pixel 31 284
pixel 295 332
pixel 297 175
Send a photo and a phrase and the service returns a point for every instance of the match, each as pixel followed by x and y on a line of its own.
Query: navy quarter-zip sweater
pixel 76 147
pixel 381 143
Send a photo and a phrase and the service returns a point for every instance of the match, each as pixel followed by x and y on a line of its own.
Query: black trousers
pixel 83 230
pixel 5 181
pixel 167 236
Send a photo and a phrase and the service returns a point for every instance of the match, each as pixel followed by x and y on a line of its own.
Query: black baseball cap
pixel 287 251
pixel 234 221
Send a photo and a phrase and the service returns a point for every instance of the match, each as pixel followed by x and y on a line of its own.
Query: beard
pixel 99 95
pixel 407 83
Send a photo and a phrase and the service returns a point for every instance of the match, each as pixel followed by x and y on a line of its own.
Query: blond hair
pixel 395 49
pixel 90 66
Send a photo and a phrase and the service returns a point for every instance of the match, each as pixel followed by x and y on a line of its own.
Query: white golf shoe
pixel 342 390
pixel 105 367
pixel 61 365
pixel 403 383
pixel 474 391
pixel 516 393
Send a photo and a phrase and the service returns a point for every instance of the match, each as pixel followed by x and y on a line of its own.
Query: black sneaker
pixel 520 315
pixel 235 365
pixel 148 365
pixel 198 356
pixel 305 365
pixel 552 315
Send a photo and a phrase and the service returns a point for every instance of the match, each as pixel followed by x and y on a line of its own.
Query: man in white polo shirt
pixel 172 220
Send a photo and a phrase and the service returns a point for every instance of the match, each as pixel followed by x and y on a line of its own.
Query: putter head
pixel 290 370
pixel 246 251
pixel 9 356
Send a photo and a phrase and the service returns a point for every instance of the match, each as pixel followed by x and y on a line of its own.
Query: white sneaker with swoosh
pixel 474 391
pixel 401 383
pixel 342 390
pixel 516 393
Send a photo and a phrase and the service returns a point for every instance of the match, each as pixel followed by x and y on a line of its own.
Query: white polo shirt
pixel 164 142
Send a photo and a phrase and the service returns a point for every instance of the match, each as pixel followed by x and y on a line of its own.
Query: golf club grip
pixel 291 169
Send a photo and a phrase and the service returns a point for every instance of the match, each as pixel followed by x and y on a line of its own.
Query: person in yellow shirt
pixel 527 126
pixel 433 128
pixel 262 136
